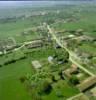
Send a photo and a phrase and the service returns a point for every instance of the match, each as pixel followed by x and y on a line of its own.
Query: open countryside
pixel 48 50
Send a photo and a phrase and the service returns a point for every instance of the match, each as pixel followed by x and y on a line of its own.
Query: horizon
pixel 41 3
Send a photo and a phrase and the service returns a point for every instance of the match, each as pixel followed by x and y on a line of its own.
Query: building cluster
pixel 86 84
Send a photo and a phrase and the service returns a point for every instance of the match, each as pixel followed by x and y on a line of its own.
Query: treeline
pixel 12 61
pixel 11 19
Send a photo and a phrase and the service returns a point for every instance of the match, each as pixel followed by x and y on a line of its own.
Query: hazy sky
pixel 33 3
pixel 12 3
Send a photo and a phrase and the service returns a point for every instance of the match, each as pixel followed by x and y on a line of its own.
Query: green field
pixel 87 48
pixel 10 85
pixel 81 20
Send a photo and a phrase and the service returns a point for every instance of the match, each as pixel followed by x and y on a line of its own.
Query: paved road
pixel 72 54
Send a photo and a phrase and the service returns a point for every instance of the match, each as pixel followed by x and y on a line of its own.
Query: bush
pixel 45 87
pixel 10 62
pixel 53 78
pixel 21 58
pixel 61 75
pixel 61 56
pixel 59 94
pixel 0 65
pixel 23 79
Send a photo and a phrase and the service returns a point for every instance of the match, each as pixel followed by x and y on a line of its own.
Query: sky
pixel 32 3
pixel 12 3
pixel 21 3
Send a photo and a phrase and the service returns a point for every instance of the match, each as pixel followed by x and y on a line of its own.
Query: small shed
pixel 50 59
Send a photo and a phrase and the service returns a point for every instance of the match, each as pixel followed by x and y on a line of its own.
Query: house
pixel 86 84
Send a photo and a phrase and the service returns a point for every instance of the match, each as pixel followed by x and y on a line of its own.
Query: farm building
pixel 86 84
pixel 34 44
pixel 1 53
pixel 70 71
pixel 36 64
pixel 93 91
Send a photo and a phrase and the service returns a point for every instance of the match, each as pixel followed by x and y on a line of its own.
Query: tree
pixel 74 80
pixel 53 78
pixel 61 55
pixel 61 75
pixel 44 87
pixel 0 65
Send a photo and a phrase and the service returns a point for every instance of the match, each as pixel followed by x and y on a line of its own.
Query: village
pixel 64 69
pixel 48 51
